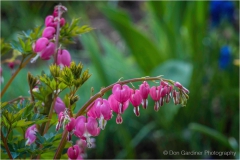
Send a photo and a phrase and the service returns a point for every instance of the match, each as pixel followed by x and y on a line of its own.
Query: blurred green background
pixel 195 43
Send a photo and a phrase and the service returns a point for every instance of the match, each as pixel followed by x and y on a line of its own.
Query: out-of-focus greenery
pixel 136 39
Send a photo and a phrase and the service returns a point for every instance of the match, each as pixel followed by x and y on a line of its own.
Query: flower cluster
pixel 101 110
pixel 45 46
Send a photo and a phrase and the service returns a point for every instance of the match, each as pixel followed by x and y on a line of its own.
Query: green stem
pixel 6 146
pixel 15 74
pixel 91 100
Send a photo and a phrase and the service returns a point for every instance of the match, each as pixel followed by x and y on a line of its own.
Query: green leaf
pixel 143 48
pixel 22 123
pixel 176 70
pixel 5 47
pixel 219 137
pixel 16 46
pixel 91 45
pixel 3 104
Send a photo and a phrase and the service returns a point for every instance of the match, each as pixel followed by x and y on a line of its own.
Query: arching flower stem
pixel 84 108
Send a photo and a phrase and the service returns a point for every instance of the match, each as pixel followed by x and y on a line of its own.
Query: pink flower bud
pixel 48 52
pixel 163 91
pixel 63 58
pixel 155 94
pixel 30 134
pixel 62 22
pixel 85 126
pixel 176 97
pixel 73 152
pixel 92 126
pixel 49 21
pixel 62 10
pixel 40 44
pixel 102 107
pixel 163 83
pixel 11 65
pixel 121 92
pixel 144 90
pixel 177 84
pixel 92 111
pixel 71 125
pixel 115 105
pixel 49 32
pixel 135 97
pixel 59 105
pixel 136 100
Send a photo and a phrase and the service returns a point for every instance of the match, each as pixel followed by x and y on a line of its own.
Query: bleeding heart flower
pixel 121 92
pixel 144 90
pixel 155 94
pixel 136 100
pixel 118 107
pixel 63 58
pixel 102 111
pixel 30 134
pixel 59 105
pixel 49 32
pixel 86 127
pixel 50 22
pixel 44 49
pixel 73 152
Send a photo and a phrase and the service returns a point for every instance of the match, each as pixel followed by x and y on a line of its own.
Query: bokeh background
pixel 194 42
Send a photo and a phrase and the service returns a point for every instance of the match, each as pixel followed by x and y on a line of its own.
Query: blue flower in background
pixel 221 10
pixel 225 57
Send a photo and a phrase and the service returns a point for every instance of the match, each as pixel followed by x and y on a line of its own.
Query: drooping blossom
pixel 49 32
pixel 121 94
pixel 155 94
pixel 63 58
pixel 73 152
pixel 102 111
pixel 85 128
pixel 163 92
pixel 178 85
pixel 136 100
pixel 176 98
pixel 44 49
pixel 70 127
pixel 30 134
pixel 59 105
pixel 115 105
pixel 144 90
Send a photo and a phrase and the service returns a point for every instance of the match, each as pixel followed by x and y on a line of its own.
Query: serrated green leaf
pixel 5 47
pixel 83 29
pixel 41 121
pixel 21 43
pixel 18 114
pixel 16 46
pixel 22 123
pixel 5 121
pixel 4 104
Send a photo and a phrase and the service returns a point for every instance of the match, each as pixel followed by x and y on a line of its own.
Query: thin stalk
pixel 22 65
pixel 6 146
pixel 16 99
pixel 91 100
pixel 57 35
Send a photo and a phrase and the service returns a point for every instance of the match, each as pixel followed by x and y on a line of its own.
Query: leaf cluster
pixel 68 31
